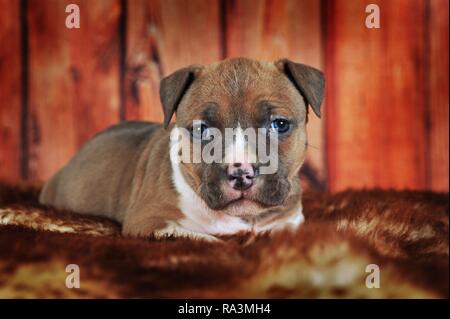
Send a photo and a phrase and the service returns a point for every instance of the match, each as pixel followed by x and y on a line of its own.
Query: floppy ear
pixel 308 80
pixel 172 89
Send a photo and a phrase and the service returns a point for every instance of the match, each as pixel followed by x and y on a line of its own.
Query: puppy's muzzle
pixel 241 175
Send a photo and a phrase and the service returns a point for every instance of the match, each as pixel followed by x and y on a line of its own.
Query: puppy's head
pixel 249 117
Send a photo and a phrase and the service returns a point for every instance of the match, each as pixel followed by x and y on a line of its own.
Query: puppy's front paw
pixel 173 230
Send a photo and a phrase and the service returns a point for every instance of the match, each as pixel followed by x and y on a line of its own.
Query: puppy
pixel 132 172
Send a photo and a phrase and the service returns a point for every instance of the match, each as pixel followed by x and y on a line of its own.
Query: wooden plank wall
pixel 386 111
pixel 10 90
pixel 74 79
pixel 437 63
pixel 386 121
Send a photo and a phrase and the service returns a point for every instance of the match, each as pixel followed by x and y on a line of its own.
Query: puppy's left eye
pixel 280 126
pixel 200 130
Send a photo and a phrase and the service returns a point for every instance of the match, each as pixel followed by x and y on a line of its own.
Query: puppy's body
pixel 105 165
pixel 115 162
pixel 126 172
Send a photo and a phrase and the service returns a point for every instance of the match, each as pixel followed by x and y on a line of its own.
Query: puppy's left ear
pixel 172 89
pixel 308 80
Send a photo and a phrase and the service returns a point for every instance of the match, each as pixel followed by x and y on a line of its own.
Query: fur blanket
pixel 404 233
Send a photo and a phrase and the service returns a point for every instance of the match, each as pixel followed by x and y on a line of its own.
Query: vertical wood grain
pixel 376 133
pixel 438 90
pixel 387 90
pixel 163 36
pixel 274 29
pixel 74 79
pixel 10 90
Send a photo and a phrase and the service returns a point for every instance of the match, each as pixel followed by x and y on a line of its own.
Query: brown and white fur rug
pixel 405 234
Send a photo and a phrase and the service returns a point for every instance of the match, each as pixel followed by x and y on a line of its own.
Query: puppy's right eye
pixel 200 130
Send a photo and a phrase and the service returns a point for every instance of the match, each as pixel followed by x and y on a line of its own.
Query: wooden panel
pixel 438 89
pixel 10 90
pixel 74 79
pixel 273 29
pixel 163 36
pixel 376 132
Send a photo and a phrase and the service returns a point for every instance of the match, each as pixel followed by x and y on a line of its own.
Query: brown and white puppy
pixel 126 171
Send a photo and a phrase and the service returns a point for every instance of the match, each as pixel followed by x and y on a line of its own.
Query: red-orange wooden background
pixel 386 111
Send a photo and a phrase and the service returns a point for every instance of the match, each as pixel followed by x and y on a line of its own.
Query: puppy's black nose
pixel 240 175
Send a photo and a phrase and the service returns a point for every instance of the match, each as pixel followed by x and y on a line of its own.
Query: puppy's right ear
pixel 308 80
pixel 173 87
